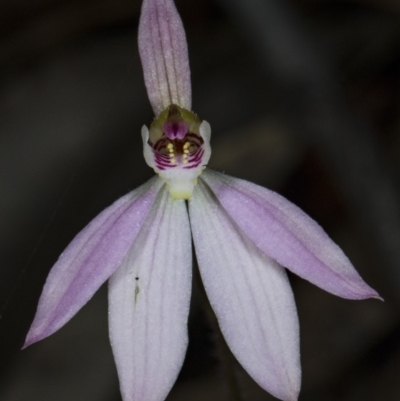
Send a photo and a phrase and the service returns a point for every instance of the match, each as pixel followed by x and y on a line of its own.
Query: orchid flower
pixel 244 237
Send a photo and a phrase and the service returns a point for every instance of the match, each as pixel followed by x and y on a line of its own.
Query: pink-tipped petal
pixel 250 295
pixel 164 54
pixel 149 298
pixel 285 233
pixel 90 259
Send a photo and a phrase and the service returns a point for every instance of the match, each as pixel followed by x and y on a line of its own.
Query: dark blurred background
pixel 303 97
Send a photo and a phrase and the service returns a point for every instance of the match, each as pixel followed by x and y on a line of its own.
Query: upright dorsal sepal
pixel 164 55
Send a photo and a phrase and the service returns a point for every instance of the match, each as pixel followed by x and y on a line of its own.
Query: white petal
pixel 285 233
pixel 90 259
pixel 250 295
pixel 149 299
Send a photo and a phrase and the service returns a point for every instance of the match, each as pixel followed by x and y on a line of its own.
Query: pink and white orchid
pixel 244 237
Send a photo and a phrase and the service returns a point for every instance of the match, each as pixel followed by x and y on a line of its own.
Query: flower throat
pixel 177 147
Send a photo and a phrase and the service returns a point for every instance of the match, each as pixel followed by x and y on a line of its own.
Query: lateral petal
pixel 250 295
pixel 90 259
pixel 285 233
pixel 164 54
pixel 149 298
